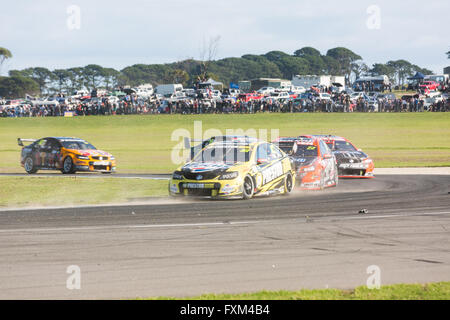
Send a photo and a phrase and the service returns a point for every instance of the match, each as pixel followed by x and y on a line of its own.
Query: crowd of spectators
pixel 308 102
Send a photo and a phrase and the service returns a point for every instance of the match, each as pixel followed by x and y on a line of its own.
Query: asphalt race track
pixel 183 248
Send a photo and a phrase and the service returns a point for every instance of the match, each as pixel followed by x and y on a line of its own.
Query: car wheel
pixel 29 166
pixel 68 166
pixel 288 184
pixel 248 188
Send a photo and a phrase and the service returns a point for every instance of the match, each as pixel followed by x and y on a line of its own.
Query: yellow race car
pixel 240 168
pixel 65 154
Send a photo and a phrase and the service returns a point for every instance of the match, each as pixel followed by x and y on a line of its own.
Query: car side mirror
pixel 261 161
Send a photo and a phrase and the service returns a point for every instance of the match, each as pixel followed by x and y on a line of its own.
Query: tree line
pixel 274 64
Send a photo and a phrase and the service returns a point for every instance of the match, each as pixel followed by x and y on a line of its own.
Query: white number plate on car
pixel 198 185
pixel 194 185
pixel 101 163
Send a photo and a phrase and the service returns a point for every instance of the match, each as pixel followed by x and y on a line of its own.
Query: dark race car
pixel 314 163
pixel 352 162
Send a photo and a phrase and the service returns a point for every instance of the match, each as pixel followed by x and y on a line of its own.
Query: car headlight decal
pixel 82 157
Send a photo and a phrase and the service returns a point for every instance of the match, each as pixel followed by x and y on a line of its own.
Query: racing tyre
pixel 248 188
pixel 29 166
pixel 288 184
pixel 68 166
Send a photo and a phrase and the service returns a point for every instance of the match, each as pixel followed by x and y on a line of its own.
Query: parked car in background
pixel 266 90
pixel 429 85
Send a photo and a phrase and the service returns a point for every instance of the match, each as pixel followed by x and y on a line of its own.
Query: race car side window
pixel 262 152
pixel 41 144
pixel 275 152
pixel 323 148
pixel 55 145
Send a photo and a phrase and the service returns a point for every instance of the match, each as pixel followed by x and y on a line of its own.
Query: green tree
pixel 62 77
pixel 403 69
pixel 4 54
pixel 17 87
pixel 382 69
pixel 307 51
pixel 358 69
pixel 41 75
pixel 93 76
pixel 110 77
pixel 345 57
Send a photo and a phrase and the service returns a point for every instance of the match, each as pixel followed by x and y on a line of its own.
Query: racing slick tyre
pixel 68 166
pixel 248 188
pixel 29 166
pixel 288 184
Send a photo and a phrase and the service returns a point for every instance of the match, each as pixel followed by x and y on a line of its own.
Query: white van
pixel 165 89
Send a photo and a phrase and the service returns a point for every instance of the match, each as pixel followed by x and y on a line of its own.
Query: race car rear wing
pixel 20 141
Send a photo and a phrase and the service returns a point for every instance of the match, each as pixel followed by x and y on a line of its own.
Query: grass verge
pixel 430 291
pixel 55 191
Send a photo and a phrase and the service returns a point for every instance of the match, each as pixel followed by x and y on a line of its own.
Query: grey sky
pixel 137 31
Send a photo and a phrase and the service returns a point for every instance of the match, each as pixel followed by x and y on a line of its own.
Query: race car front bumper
pixel 95 166
pixel 213 189
pixel 355 170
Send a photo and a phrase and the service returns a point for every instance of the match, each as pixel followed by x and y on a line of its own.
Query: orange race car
pixel 314 163
pixel 352 162
pixel 65 154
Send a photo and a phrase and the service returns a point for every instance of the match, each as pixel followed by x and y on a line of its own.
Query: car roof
pixel 305 139
pixel 232 144
pixel 65 138
pixel 329 137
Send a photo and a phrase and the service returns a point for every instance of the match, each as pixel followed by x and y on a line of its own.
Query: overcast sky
pixel 155 31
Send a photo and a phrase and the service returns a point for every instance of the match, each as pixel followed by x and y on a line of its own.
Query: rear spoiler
pixel 20 141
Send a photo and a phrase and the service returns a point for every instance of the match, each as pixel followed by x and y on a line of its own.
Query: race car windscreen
pixel 304 151
pixel 78 145
pixel 224 154
pixel 342 146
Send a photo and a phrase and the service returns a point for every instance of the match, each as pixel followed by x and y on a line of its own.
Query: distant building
pixel 447 70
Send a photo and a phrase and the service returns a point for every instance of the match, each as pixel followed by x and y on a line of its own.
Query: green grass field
pixel 431 291
pixel 143 143
pixel 41 191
